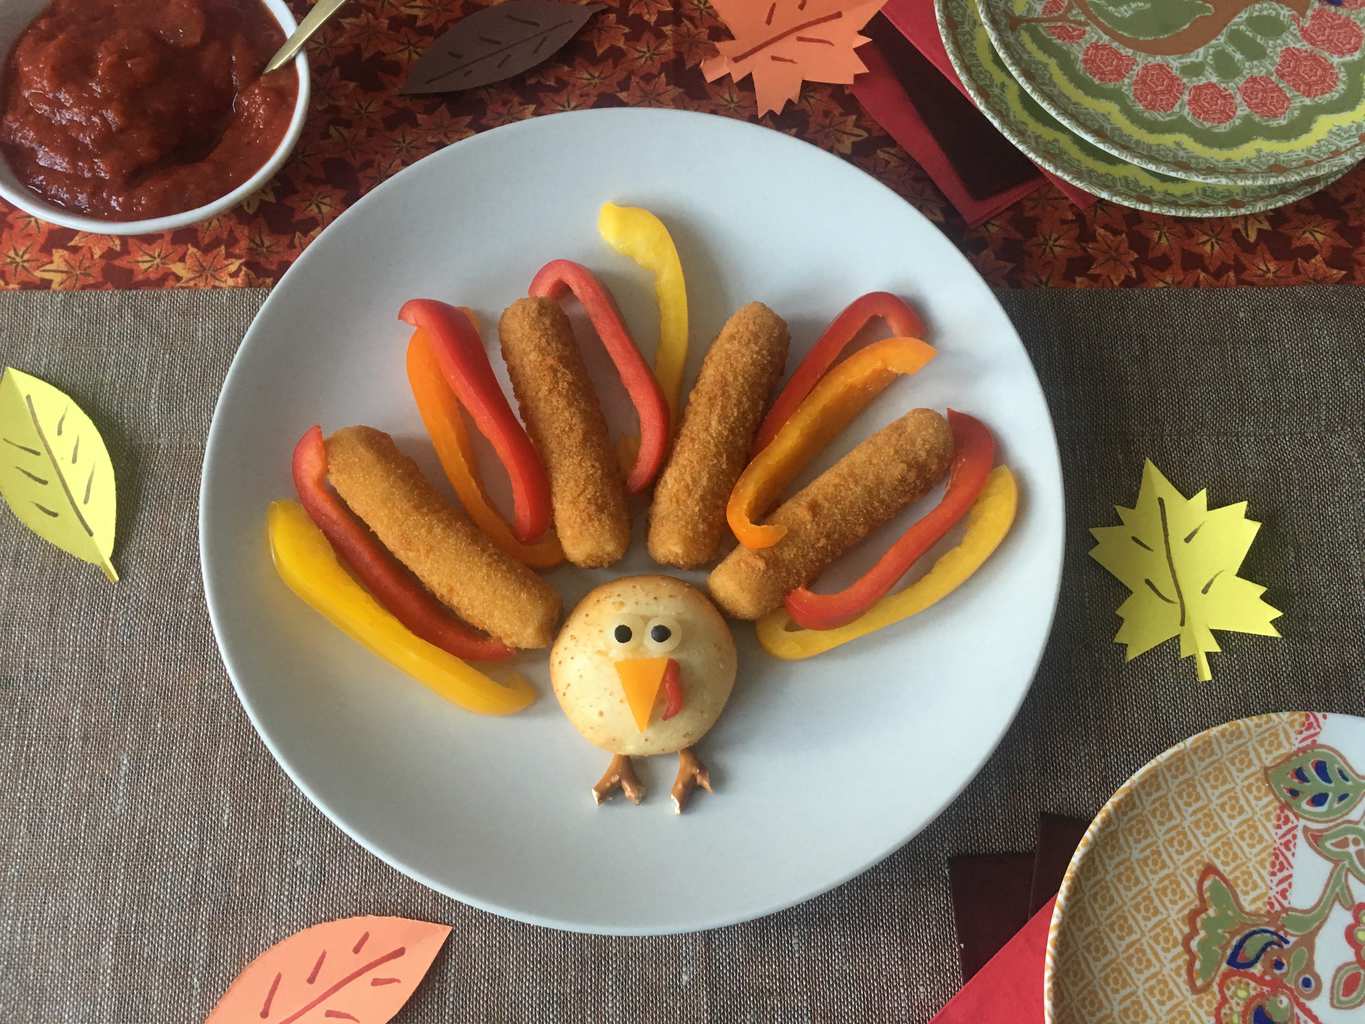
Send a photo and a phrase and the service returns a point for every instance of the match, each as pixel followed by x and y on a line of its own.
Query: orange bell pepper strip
pixel 459 353
pixel 973 455
pixel 635 232
pixel 988 523
pixel 559 276
pixel 309 567
pixel 844 392
pixel 440 412
pixel 396 589
pixel 903 321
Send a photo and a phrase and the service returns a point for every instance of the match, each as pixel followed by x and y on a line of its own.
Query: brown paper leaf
pixel 497 43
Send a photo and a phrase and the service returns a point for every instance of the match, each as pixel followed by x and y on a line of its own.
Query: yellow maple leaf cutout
pixel 1180 560
pixel 55 472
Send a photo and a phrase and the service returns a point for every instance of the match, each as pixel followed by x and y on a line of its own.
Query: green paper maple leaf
pixel 1180 560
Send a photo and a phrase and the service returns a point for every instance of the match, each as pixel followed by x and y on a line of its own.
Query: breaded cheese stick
pixel 827 517
pixel 741 369
pixel 444 550
pixel 564 419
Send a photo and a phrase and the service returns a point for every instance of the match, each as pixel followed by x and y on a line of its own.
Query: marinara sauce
pixel 142 108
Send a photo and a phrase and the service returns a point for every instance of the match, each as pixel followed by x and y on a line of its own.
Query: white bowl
pixel 15 16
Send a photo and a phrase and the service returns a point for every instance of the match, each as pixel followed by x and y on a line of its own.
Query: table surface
pixel 150 847
pixel 647 53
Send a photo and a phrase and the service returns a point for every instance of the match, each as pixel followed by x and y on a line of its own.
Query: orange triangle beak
pixel 641 679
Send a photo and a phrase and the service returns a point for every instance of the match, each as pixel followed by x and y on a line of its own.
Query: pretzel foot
pixel 691 774
pixel 620 774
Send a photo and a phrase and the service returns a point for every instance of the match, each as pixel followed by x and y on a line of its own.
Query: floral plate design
pixel 1231 91
pixel 1051 145
pixel 1224 883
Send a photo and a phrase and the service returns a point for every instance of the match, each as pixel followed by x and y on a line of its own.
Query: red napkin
pixel 1009 989
pixel 915 20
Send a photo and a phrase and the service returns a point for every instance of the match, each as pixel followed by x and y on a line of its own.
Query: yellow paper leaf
pixel 1180 560
pixel 55 472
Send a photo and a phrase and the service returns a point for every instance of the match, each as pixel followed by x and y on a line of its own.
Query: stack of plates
pixel 1187 107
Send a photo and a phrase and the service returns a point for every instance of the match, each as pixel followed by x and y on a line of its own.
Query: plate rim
pixel 214 441
pixel 1342 163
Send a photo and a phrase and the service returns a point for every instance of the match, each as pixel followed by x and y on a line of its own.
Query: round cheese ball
pixel 642 617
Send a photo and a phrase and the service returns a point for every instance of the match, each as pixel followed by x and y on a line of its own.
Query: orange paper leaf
pixel 785 42
pixel 360 970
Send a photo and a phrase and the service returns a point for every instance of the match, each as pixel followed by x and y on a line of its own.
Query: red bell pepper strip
pixel 903 321
pixel 460 354
pixel 641 386
pixel 973 455
pixel 673 695
pixel 383 575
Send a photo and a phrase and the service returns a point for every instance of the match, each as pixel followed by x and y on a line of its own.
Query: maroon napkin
pixel 984 159
pixel 982 174
pixel 914 19
pixel 994 895
pixel 1058 838
pixel 990 903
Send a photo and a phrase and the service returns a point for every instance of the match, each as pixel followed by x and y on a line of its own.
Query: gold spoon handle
pixel 322 11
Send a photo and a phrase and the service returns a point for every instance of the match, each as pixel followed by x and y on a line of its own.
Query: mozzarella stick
pixel 442 548
pixel 827 517
pixel 741 369
pixel 564 419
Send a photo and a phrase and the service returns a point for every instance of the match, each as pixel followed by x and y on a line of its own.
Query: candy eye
pixel 663 635
pixel 624 632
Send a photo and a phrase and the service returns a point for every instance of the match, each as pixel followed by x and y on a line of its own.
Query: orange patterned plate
pixel 1224 883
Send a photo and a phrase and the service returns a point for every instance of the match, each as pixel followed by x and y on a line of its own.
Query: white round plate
pixel 822 767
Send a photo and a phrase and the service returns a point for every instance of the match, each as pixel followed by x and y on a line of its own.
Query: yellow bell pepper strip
pixel 988 522
pixel 903 321
pixel 440 411
pixel 843 393
pixel 639 234
pixel 309 567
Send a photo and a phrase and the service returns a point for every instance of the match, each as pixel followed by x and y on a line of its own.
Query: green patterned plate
pixel 1233 91
pixel 1051 145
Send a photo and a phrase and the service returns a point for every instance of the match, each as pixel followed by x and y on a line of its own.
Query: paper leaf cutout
pixel 497 43
pixel 359 969
pixel 55 472
pixel 1180 560
pixel 1316 784
pixel 785 42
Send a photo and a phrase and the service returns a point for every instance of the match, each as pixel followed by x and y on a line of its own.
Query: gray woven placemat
pixel 149 846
